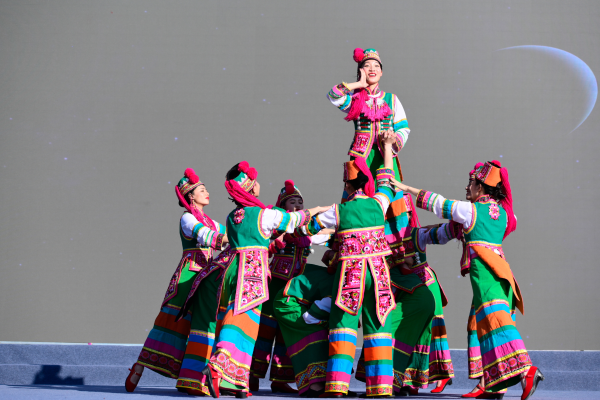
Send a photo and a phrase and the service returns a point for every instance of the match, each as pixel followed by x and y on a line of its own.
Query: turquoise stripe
pixel 346 103
pixel 387 191
pixel 379 342
pixel 400 125
pixel 191 364
pixel 472 340
pixel 439 344
pixel 342 337
pixel 394 225
pixel 499 337
pixel 167 338
pixel 485 311
pixel 375 370
pixel 235 337
pixel 285 221
pixel 339 365
pixel 447 209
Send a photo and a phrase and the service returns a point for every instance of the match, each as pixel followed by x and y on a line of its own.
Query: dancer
pixel 362 282
pixel 244 288
pixel 165 346
pixel 487 219
pixel 431 359
pixel 202 301
pixel 288 261
pixel 302 310
pixel 374 111
pixel 415 306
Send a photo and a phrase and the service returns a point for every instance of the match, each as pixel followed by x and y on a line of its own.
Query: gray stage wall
pixel 104 104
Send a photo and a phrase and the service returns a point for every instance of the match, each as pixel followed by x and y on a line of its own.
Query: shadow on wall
pixel 48 375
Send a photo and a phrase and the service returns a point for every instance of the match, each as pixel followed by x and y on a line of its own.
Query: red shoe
pixel 282 387
pixel 253 384
pixel 479 391
pixel 532 378
pixel 212 380
pixel 130 386
pixel 440 389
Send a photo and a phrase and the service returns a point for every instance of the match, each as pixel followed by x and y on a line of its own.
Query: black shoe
pixel 241 395
pixel 351 394
pixel 310 393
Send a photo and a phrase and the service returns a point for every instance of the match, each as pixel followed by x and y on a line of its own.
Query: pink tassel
pixel 252 173
pixel 359 105
pixel 358 55
pixel 362 166
pixel 244 167
pixel 507 203
pixel 289 186
pixel 191 175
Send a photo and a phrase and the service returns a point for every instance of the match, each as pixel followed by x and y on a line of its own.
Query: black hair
pixel 187 196
pixel 233 173
pixel 359 182
pixel 496 192
pixel 362 64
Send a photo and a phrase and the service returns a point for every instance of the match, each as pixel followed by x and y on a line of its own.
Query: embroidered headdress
pixel 361 55
pixel 374 109
pixel 188 183
pixel 351 169
pixel 491 173
pixel 289 190
pixel 239 187
pixel 410 207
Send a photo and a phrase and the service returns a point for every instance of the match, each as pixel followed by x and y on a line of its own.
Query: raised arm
pixel 454 210
pixel 385 193
pixel 341 95
pixel 192 228
pixel 272 220
pixel 441 234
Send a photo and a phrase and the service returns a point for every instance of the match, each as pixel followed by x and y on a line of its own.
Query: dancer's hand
pixel 399 185
pixel 362 82
pixel 327 231
pixel 225 240
pixel 388 136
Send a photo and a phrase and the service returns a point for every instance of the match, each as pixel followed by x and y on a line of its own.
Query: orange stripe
pixel 199 349
pixel 242 321
pixel 438 331
pixel 342 347
pixel 472 324
pixel 167 321
pixel 493 321
pixel 378 353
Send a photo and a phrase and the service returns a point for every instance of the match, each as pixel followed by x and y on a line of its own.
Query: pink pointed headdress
pixel 239 187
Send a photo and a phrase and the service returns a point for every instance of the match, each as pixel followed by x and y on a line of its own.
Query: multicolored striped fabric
pixel 202 334
pixel 411 317
pixel 281 365
pixel 342 345
pixel 473 349
pixel 165 346
pixel 431 359
pixel 503 352
pixel 235 336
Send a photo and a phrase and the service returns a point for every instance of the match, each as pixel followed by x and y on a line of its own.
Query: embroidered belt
pixel 287 266
pixel 198 259
pixel 253 274
pixel 362 243
pixel 423 271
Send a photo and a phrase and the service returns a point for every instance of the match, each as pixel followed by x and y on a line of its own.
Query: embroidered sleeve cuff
pixel 384 174
pixel 218 241
pixel 426 200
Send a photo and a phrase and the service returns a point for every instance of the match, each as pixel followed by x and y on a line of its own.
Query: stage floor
pixel 43 392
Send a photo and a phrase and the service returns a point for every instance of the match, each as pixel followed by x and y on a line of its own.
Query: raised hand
pixel 362 82
pixel 388 136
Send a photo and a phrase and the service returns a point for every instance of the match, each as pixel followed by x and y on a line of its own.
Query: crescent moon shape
pixel 581 68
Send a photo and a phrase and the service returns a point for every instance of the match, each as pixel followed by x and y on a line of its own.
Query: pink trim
pixel 359 106
pixel 414 221
pixel 362 166
pixel 507 203
pixel 241 196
